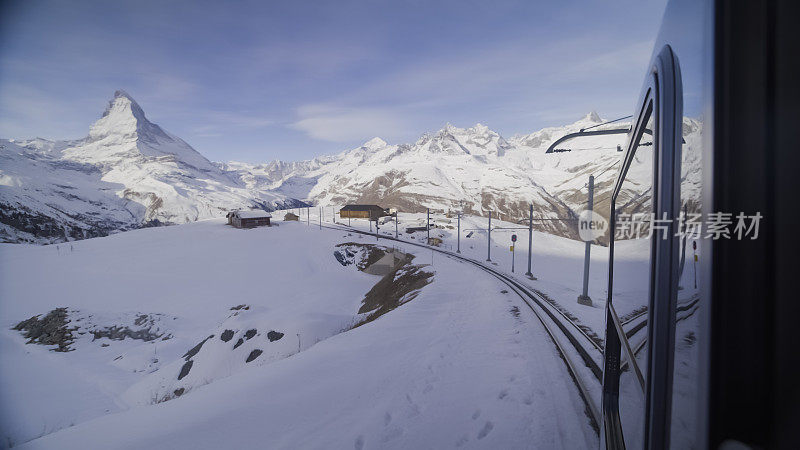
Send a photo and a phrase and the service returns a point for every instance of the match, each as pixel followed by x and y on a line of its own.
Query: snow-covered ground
pixel 556 264
pixel 461 365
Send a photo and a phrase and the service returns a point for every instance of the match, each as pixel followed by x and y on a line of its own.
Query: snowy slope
pixel 127 173
pixel 459 366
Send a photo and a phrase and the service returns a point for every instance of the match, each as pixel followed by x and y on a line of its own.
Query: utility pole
pixel 428 226
pixel 489 247
pixel 308 216
pixel 458 239
pixel 584 298
pixel 377 229
pixel 530 243
pixel 320 217
pixel 395 224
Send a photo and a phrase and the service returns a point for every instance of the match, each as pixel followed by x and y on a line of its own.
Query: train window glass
pixel 686 372
pixel 631 278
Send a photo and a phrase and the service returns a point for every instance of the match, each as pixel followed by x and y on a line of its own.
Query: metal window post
pixel 584 298
pixel 458 248
pixel 489 247
pixel 530 243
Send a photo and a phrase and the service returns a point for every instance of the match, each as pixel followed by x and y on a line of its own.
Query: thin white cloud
pixel 343 124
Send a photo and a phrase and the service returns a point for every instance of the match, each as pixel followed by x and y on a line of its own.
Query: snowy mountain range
pixel 474 169
pixel 130 173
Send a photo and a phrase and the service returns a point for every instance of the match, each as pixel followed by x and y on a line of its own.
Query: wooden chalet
pixel 248 219
pixel 371 212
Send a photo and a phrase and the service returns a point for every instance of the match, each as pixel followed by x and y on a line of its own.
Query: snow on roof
pixel 252 214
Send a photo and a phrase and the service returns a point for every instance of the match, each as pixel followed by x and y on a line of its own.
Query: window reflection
pixel 631 283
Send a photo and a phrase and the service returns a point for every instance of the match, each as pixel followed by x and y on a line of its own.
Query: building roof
pixel 256 214
pixel 362 208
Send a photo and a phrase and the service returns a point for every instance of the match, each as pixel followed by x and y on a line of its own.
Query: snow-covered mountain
pixel 130 173
pixel 471 168
pixel 127 173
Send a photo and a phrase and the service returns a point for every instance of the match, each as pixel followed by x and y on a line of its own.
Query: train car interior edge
pixel 714 365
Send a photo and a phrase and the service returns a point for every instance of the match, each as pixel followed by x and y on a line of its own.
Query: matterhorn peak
pixel 122 93
pixel 122 116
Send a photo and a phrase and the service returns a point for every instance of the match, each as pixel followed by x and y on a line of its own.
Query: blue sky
pixel 256 81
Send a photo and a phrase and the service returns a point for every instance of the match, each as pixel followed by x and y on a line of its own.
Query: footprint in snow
pixel 485 430
pixel 359 444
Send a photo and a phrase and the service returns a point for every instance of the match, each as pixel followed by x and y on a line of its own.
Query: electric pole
pixel 584 298
pixel 489 247
pixel 458 248
pixel 530 243
pixel 428 226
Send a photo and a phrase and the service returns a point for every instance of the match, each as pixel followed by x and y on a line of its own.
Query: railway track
pixel 581 354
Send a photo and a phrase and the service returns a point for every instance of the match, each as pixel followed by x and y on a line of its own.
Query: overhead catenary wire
pixel 606 123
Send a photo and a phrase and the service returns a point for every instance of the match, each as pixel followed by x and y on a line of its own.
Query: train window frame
pixel 661 99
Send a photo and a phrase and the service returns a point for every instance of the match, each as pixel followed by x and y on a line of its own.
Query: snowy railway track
pixel 581 354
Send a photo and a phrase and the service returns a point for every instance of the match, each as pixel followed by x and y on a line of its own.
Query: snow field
pixel 458 366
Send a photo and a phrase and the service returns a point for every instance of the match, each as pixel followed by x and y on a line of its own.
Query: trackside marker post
pixel 513 242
